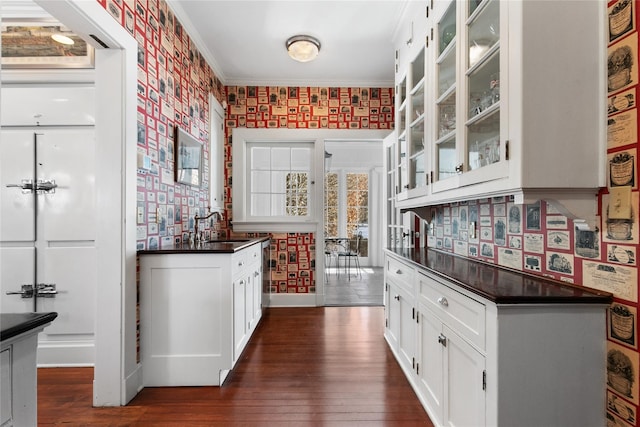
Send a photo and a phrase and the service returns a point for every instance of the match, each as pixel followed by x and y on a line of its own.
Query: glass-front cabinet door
pixel 467 145
pixel 417 124
pixel 446 41
pixel 482 85
pixel 402 180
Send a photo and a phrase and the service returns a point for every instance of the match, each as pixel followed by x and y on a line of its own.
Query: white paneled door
pixel 47 237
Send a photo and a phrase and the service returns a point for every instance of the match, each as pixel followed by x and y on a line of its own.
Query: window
pixel 280 177
pixel 346 206
pixel 331 205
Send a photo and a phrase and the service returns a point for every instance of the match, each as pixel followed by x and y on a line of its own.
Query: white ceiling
pixel 244 40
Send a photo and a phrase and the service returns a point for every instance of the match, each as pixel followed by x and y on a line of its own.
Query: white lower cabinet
pixel 450 372
pixel 464 385
pixel 197 313
pixel 476 363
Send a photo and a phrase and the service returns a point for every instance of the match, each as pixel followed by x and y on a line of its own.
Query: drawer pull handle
pixel 398 271
pixel 443 301
pixel 397 298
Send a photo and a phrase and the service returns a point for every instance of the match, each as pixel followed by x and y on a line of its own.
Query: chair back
pixel 358 240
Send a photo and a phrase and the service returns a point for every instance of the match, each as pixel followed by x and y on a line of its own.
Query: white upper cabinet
pixel 510 101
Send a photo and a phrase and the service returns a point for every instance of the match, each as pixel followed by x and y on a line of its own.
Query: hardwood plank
pixel 326 366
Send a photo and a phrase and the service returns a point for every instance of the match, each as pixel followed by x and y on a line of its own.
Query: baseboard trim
pixel 292 300
pixel 66 354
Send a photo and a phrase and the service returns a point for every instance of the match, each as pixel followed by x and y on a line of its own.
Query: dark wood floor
pixel 326 366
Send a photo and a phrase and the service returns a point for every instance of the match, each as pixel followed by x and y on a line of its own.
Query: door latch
pixel 47 186
pixel 46 290
pixel 43 290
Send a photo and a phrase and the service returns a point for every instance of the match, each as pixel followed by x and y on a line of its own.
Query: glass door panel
pixel 447 157
pixel 484 32
pixel 483 140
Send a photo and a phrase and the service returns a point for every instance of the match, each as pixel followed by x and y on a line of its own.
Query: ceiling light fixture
pixel 62 39
pixel 303 48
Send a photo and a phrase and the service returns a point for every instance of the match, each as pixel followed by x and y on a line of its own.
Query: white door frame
pixel 117 375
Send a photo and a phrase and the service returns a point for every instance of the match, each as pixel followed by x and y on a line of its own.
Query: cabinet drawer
pixel 400 273
pixel 246 257
pixel 239 262
pixel 458 311
pixel 254 254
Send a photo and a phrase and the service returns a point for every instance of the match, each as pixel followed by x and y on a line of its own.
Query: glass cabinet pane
pixel 484 86
pixel 447 28
pixel 483 140
pixel 417 103
pixel 484 32
pixel 417 69
pixel 403 160
pixel 446 69
pixel 417 136
pixel 446 115
pixel 447 158
pixel 419 173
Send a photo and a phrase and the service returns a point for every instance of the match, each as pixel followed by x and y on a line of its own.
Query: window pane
pixel 277 205
pixel 260 204
pixel 260 182
pixel 278 182
pixel 281 159
pixel 261 158
pixel 300 159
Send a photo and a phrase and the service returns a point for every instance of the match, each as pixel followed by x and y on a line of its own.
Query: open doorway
pixel 113 350
pixel 352 217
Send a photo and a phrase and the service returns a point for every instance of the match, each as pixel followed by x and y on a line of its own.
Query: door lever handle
pixel 26 185
pixel 25 292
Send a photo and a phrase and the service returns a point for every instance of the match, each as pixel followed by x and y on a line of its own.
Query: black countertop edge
pixel 221 246
pixel 498 284
pixel 13 324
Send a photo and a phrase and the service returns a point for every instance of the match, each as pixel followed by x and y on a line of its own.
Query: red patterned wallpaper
pixel 174 82
pixel 293 254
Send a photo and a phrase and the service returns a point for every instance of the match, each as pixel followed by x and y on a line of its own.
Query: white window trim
pixel 241 221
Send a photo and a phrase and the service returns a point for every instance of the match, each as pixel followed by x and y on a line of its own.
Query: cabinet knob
pixel 398 271
pixel 241 282
pixel 442 340
pixel 459 168
pixel 397 297
pixel 240 264
pixel 443 301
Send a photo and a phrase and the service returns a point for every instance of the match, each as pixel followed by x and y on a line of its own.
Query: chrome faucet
pixel 198 218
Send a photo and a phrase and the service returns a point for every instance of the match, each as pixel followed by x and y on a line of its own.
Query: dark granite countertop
pixel 13 324
pixel 221 246
pixel 500 285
